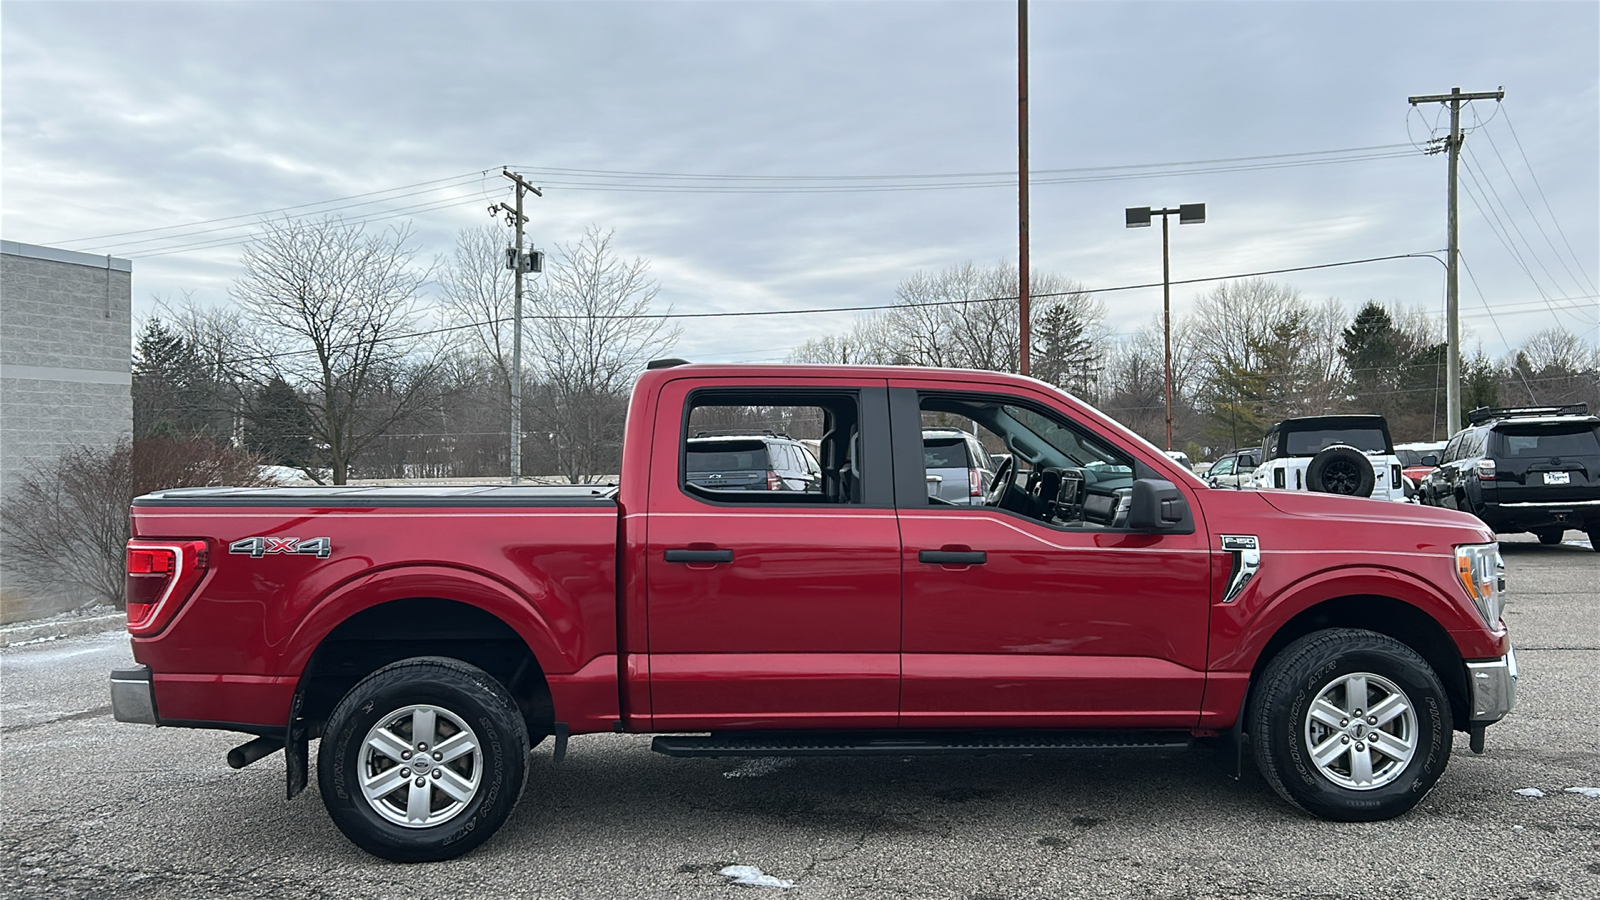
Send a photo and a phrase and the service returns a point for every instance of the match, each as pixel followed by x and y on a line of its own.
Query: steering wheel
pixel 1003 478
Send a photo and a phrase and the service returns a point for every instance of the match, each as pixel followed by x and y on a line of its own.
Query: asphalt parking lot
pixel 92 808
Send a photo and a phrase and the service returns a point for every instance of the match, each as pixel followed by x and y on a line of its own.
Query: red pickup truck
pixel 1099 596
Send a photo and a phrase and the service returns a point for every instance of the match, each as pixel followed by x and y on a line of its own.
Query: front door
pixel 1039 607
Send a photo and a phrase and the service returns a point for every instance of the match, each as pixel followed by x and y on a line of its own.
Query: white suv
pixel 1350 455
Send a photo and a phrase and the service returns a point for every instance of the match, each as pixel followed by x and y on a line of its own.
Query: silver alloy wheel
pixel 437 790
pixel 1361 731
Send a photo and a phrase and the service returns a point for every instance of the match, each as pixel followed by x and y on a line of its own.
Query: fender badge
pixel 257 547
pixel 1239 542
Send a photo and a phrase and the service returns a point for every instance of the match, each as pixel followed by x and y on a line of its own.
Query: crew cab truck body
pixel 1100 595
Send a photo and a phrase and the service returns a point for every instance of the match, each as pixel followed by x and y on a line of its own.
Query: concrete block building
pixel 65 371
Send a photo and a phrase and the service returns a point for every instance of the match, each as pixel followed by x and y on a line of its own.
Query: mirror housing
pixel 1430 460
pixel 1158 505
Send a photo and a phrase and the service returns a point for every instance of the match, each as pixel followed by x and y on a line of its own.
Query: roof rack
pixel 740 432
pixel 1489 413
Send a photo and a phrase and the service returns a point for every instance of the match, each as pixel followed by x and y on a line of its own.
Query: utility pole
pixel 1452 388
pixel 1022 184
pixel 519 262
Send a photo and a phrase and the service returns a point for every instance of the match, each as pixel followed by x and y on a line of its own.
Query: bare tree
pixel 477 291
pixel 331 310
pixel 594 331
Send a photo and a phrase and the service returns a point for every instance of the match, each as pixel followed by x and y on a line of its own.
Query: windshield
pixel 727 456
pixel 1548 441
pixel 1310 443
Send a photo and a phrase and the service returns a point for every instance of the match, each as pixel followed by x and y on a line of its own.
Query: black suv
pixel 1534 468
pixel 743 461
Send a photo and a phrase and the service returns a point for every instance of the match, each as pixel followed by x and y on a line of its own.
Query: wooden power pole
pixel 518 260
pixel 1452 388
pixel 1022 185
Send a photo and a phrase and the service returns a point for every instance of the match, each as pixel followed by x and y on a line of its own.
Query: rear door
pixel 775 609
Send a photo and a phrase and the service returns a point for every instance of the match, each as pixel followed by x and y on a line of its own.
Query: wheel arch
pixel 1398 619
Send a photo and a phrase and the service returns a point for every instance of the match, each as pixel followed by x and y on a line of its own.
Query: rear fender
pixel 520 612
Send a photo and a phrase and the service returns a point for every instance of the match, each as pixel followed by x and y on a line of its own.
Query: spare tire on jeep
pixel 1341 469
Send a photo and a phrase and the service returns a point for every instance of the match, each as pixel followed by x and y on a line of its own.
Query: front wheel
pixel 1350 725
pixel 423 760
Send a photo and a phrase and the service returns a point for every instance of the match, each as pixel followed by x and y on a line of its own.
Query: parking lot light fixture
pixel 1139 217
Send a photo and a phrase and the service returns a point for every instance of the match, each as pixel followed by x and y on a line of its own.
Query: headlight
pixel 1483 576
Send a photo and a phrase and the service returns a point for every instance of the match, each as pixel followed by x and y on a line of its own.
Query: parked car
pixel 1235 469
pixel 751 462
pixel 1419 458
pixel 957 467
pixel 1099 597
pixel 1534 469
pixel 1350 455
pixel 1180 457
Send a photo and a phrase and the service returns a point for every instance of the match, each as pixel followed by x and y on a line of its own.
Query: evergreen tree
pixel 279 430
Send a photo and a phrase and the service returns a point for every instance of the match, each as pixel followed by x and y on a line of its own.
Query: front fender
pixel 1241 631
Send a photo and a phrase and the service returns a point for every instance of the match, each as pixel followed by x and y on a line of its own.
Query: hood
pixel 1362 509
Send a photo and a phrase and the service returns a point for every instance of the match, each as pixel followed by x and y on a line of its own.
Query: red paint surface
pixel 825 617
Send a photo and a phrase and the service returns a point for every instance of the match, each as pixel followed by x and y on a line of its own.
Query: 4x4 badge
pixel 257 547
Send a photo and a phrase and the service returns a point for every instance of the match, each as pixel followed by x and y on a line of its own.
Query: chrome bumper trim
pixel 133 699
pixel 1494 687
pixel 1550 504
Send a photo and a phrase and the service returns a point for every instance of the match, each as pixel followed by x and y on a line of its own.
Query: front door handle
pixel 953 557
pixel 685 555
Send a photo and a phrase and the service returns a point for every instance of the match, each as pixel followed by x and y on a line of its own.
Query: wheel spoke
pixel 1396 748
pixel 1328 714
pixel 454 785
pixel 1329 750
pixel 422 726
pixel 1355 693
pixel 382 784
pixel 388 743
pixel 1388 708
pixel 1361 766
pixel 456 746
pixel 419 802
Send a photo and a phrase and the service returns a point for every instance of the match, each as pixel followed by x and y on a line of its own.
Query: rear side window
pixel 1548 441
pixel 944 453
pixel 743 446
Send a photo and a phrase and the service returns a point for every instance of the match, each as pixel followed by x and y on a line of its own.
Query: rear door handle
pixel 953 557
pixel 685 555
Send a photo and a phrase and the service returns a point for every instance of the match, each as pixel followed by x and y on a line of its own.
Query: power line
pixel 1474 168
pixel 281 209
pixel 1489 135
pixel 1553 219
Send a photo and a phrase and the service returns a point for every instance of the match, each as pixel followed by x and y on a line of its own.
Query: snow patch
pixel 756 768
pixel 1530 792
pixel 752 876
pixel 1593 793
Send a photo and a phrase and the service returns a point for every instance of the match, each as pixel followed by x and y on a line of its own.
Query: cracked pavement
pixel 93 808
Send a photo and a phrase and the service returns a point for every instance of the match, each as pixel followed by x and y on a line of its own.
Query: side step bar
pixel 921 743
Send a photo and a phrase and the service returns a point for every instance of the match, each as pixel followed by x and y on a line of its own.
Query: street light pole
pixel 1139 217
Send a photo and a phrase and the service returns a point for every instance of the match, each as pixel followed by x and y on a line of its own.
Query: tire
pixel 1341 470
pixel 1318 673
pixel 1594 540
pixel 464 799
pixel 1550 535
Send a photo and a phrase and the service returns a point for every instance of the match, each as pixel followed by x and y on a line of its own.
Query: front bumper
pixel 1493 687
pixel 133 698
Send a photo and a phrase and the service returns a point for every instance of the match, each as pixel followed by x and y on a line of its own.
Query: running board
pixel 925 743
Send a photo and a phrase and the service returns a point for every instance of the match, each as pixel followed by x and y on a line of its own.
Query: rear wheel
pixel 1350 725
pixel 1594 539
pixel 1550 535
pixel 423 760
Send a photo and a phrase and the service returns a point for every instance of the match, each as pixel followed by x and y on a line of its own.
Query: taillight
pixel 974 483
pixel 1395 479
pixel 774 483
pixel 1485 469
pixel 161 576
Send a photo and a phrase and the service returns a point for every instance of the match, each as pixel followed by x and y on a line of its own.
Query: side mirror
pixel 1157 505
pixel 1430 460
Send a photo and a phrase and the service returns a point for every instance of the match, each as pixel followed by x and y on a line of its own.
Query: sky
pixel 839 147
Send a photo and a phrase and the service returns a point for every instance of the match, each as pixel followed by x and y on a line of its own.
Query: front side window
pixel 1058 473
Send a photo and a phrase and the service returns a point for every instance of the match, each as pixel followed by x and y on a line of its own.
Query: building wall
pixel 65 364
